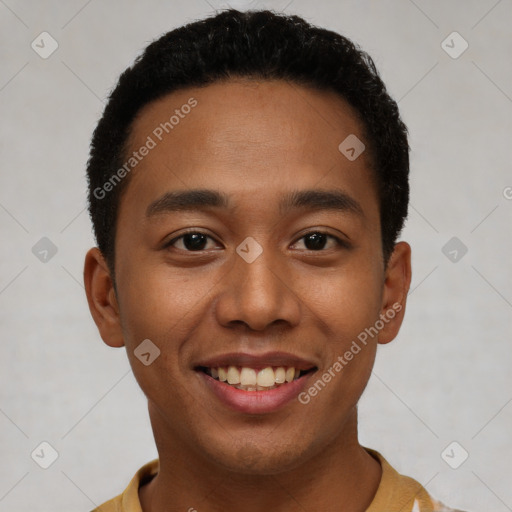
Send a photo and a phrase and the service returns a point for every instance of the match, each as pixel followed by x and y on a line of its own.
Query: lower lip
pixel 255 402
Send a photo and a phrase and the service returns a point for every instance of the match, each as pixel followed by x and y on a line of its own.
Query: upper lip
pixel 263 360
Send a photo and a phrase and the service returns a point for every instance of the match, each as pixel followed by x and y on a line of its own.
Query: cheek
pixel 347 306
pixel 164 307
pixel 344 301
pixel 158 302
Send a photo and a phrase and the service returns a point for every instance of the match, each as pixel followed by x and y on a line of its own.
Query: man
pixel 247 183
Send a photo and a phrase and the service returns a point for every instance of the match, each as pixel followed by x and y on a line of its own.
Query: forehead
pixel 249 114
pixel 249 137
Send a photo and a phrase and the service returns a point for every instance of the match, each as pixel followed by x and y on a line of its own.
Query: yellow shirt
pixel 396 492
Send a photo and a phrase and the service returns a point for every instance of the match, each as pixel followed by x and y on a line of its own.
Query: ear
pixel 396 287
pixel 102 299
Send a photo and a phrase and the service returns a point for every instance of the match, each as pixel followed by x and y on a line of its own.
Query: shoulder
pixel 400 492
pixel 113 505
pixel 129 501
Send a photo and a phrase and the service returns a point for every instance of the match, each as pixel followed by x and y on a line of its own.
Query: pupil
pixel 315 241
pixel 194 241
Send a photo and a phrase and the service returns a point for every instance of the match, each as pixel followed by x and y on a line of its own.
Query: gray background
pixel 445 378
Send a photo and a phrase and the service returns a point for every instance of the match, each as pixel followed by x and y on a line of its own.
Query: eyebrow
pixel 201 199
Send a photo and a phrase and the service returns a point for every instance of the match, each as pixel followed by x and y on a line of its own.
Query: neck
pixel 342 476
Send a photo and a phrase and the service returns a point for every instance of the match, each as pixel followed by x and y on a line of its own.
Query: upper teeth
pixel 252 380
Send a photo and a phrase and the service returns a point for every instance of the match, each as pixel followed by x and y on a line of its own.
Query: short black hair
pixel 254 44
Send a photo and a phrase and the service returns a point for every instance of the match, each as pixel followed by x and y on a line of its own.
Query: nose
pixel 258 295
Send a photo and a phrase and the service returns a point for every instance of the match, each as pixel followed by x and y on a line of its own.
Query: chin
pixel 261 459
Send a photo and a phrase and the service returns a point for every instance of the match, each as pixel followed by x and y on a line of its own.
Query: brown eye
pixel 317 241
pixel 193 241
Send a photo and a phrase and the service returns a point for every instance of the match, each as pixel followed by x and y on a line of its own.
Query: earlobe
pixel 396 287
pixel 101 298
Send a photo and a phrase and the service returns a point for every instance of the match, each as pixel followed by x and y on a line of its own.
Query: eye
pixel 191 241
pixel 195 241
pixel 318 240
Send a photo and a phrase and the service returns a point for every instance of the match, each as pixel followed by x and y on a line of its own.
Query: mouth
pixel 255 384
pixel 248 378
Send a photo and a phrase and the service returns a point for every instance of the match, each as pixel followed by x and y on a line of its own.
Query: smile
pixel 252 379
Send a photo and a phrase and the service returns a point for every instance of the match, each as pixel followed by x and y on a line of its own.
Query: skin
pixel 254 141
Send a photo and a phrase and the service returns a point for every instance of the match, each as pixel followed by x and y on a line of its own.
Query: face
pixel 248 248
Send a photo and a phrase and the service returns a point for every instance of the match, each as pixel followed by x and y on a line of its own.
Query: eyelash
pixel 339 242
